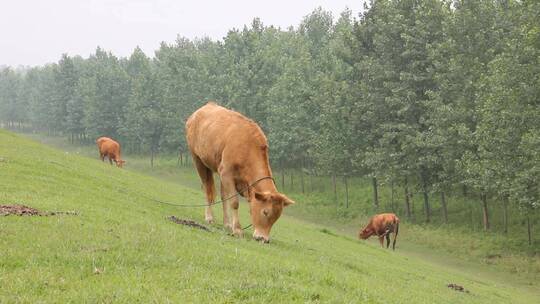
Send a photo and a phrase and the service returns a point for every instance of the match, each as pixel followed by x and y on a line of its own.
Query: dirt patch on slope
pixel 22 210
pixel 457 287
pixel 187 223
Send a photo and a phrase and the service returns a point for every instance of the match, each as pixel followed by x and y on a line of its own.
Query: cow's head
pixel 366 233
pixel 265 209
pixel 120 163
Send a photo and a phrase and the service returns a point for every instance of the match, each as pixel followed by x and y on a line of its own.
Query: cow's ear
pixel 262 196
pixel 281 198
pixel 287 202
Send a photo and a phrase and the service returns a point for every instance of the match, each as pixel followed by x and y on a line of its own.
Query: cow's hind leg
pixel 387 240
pixel 207 179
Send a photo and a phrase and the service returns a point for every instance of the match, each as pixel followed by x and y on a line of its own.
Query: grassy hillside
pixel 460 239
pixel 121 248
pixel 471 248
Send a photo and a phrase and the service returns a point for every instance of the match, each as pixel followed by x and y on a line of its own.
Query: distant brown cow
pixel 382 225
pixel 226 142
pixel 110 149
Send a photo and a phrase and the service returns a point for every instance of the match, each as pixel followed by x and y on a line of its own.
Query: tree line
pixel 438 96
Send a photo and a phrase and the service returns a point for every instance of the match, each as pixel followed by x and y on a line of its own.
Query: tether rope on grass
pixel 204 205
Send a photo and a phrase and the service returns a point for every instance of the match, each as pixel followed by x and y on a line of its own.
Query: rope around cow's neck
pixel 214 203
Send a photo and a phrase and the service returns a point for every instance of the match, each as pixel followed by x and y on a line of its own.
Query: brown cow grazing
pixel 110 149
pixel 382 225
pixel 226 142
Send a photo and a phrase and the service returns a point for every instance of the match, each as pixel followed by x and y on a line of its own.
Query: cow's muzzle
pixel 261 238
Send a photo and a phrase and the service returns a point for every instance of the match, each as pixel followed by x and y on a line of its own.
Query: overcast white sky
pixel 35 32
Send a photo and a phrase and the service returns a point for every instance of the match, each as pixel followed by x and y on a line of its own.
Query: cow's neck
pixel 265 185
pixel 261 181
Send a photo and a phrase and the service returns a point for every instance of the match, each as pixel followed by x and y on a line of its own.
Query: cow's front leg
pixel 381 240
pixel 225 194
pixel 236 227
pixel 229 196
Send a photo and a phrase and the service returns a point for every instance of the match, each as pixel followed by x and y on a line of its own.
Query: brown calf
pixel 381 225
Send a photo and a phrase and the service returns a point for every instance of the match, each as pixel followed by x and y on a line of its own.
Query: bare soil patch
pixel 22 210
pixel 457 287
pixel 190 223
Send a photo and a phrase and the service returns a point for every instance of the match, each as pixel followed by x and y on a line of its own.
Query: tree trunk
pixel 302 177
pixel 426 207
pixel 471 212
pixel 345 181
pixel 335 185
pixel 407 202
pixel 282 179
pixel 311 181
pixel 426 200
pixel 292 180
pixel 375 193
pixel 444 209
pixel 505 215
pixel 392 190
pixel 152 157
pixel 485 212
pixel 529 229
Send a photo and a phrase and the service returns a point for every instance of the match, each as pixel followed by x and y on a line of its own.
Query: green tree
pixel 104 89
pixel 145 113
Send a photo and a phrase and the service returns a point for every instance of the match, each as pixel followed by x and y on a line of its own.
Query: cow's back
pixel 108 146
pixel 100 141
pixel 214 132
pixel 382 221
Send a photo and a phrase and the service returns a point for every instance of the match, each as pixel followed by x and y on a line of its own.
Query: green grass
pixel 468 245
pixel 461 243
pixel 509 253
pixel 121 248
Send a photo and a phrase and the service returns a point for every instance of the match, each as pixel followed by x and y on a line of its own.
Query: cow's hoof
pixel 238 232
pixel 209 220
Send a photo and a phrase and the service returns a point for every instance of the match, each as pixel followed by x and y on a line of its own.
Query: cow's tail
pixel 396 230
